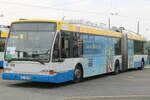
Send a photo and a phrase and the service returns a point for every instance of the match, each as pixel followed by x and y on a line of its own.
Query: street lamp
pixel 1 15
pixel 112 14
pixel 63 18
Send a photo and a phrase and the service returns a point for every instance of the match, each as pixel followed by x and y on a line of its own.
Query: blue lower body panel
pixel 58 78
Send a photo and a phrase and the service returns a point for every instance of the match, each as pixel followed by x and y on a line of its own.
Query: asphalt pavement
pixel 131 85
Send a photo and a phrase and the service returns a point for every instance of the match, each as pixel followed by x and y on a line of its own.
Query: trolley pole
pixel 138 27
pixel 1 15
pixel 109 23
pixel 63 18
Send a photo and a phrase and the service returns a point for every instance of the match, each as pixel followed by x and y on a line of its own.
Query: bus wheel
pixel 78 74
pixel 116 71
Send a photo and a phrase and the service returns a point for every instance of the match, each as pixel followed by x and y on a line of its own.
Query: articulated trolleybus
pixel 56 51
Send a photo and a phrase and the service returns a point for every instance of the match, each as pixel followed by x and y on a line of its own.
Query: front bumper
pixel 58 78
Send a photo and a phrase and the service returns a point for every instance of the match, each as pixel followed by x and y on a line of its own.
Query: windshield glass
pixel 30 41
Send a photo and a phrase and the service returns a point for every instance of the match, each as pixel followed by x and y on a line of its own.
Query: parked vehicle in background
pixel 148 52
pixel 3 36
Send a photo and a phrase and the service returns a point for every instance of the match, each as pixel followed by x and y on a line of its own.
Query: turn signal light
pixel 51 72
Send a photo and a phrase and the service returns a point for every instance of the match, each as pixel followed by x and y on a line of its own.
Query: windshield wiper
pixel 37 60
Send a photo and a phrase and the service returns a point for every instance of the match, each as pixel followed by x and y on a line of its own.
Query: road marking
pixel 131 76
pixel 119 96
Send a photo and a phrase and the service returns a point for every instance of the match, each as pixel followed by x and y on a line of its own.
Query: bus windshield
pixel 30 41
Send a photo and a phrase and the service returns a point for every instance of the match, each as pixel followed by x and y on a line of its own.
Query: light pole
pixel 109 21
pixel 63 18
pixel 138 27
pixel 1 15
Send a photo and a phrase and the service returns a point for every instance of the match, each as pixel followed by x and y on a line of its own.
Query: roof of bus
pixel 76 28
pixel 56 21
pixel 135 37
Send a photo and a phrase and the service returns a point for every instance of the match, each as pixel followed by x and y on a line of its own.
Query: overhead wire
pixel 70 10
pixel 68 3
pixel 52 8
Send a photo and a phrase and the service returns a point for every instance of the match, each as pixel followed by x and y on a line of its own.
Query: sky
pixel 129 12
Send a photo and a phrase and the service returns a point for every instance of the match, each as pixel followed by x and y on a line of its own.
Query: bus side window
pixel 71 45
pixel 80 44
pixel 77 45
pixel 65 45
pixel 117 46
pixel 138 47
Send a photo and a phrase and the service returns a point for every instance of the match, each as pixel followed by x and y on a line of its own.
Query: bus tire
pixel 78 74
pixel 116 71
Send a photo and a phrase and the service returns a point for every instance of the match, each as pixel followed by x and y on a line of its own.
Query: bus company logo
pixel 65 26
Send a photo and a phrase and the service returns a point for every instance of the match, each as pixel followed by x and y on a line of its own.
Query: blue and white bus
pixel 56 51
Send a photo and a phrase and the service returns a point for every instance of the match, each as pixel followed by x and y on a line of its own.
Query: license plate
pixel 25 77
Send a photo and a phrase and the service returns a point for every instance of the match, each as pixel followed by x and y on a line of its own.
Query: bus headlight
pixel 52 72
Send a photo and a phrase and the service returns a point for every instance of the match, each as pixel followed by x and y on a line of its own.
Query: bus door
pixel 65 53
